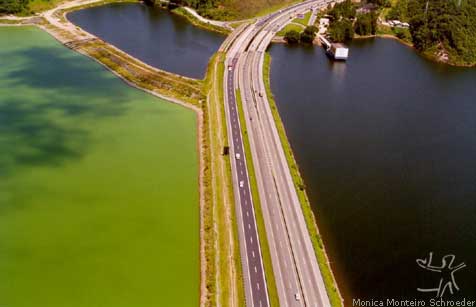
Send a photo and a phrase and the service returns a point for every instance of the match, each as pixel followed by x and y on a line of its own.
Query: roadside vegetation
pixel 263 239
pixel 324 265
pixel 305 37
pixel 225 284
pixel 233 9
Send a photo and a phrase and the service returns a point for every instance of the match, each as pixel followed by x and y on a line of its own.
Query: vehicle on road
pixel 241 183
pixel 237 156
pixel 297 297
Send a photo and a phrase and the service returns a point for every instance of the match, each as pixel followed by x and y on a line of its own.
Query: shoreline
pixel 428 56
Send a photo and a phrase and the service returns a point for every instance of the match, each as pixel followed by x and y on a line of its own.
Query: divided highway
pixel 298 278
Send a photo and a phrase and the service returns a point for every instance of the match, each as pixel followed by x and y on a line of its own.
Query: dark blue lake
pixel 386 143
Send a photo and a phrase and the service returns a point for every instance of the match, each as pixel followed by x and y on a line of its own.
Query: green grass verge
pixel 9 21
pixel 268 267
pixel 304 20
pixel 272 8
pixel 290 27
pixel 214 85
pixel 329 281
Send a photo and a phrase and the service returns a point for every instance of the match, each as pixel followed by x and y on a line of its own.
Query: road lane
pixel 256 294
pixel 298 278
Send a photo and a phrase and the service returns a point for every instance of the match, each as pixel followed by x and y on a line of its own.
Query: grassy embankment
pixel 132 70
pixel 290 27
pixel 193 20
pixel 37 6
pixel 136 72
pixel 222 249
pixel 266 255
pixel 229 10
pixel 329 281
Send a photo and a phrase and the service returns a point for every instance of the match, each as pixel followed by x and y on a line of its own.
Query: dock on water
pixel 337 51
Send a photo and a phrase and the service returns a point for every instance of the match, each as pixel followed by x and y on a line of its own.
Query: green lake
pixel 99 201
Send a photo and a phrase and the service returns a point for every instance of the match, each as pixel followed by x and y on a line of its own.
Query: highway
pixel 298 278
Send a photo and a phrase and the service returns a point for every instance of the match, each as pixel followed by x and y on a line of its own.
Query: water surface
pixel 386 144
pixel 98 184
pixel 154 36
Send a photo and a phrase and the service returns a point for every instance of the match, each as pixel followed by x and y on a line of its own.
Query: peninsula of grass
pixel 322 259
pixel 198 23
pixel 290 27
pixel 266 255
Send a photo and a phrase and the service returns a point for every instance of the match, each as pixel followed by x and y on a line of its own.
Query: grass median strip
pixel 329 280
pixel 268 268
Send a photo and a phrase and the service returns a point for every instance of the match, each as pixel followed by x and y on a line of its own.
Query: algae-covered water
pixel 98 184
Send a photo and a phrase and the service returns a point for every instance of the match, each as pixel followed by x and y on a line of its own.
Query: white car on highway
pixel 297 296
pixel 237 156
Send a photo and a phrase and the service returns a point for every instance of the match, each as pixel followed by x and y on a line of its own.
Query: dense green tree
pixel 13 6
pixel 448 25
pixel 344 9
pixel 292 37
pixel 366 24
pixel 399 11
pixel 307 36
pixel 341 30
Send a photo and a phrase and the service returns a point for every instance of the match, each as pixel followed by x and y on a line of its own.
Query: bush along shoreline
pixel 442 30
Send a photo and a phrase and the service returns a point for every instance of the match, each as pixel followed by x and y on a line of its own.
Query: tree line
pixel 448 25
pixel 345 21
pixel 306 37
pixel 13 6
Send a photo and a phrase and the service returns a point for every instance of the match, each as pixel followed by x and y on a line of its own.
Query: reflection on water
pixel 338 72
pixel 386 143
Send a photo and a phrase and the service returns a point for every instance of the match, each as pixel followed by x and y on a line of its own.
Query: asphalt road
pixel 295 267
pixel 253 270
